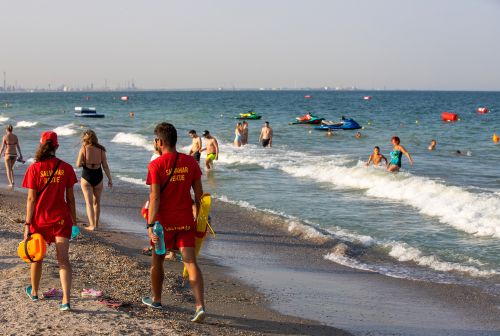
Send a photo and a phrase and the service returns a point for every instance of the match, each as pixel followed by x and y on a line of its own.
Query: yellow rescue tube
pixel 495 138
pixel 33 249
pixel 202 225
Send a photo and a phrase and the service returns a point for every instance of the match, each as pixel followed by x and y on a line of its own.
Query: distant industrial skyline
pixel 392 44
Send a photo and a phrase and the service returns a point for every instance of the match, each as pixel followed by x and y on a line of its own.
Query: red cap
pixel 49 135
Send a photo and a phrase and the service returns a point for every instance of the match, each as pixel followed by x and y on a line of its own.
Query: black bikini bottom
pixel 92 176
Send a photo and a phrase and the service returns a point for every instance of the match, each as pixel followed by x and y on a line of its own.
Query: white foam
pixel 474 213
pixel 65 130
pixel 306 231
pixel 405 253
pixel 3 119
pixel 347 261
pixel 133 139
pixel 132 180
pixel 26 124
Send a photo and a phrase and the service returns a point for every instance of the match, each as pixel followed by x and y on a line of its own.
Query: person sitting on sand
pixel 10 143
pixel 376 157
pixel 92 159
pixel 396 155
pixel 212 148
pixel 266 135
pixel 171 206
pixel 195 149
pixel 432 146
pixel 50 211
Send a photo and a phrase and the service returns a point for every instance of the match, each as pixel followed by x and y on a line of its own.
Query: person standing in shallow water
pixel 171 178
pixel 238 134
pixel 266 135
pixel 212 148
pixel 92 159
pixel 244 134
pixel 195 145
pixel 396 155
pixel 50 211
pixel 10 143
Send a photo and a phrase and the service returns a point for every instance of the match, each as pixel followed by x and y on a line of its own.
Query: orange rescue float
pixel 33 249
pixel 482 110
pixel 449 116
pixel 495 138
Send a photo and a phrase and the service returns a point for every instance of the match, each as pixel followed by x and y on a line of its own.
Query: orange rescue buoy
pixel 482 110
pixel 495 138
pixel 449 116
pixel 33 249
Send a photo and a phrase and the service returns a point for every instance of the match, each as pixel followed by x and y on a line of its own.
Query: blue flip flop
pixel 149 302
pixel 28 291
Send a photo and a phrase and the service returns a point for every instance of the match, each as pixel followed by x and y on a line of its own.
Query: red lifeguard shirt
pixel 175 211
pixel 51 207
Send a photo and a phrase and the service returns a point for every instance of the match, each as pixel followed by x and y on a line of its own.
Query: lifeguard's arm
pixel 79 158
pixel 70 200
pixel 216 149
pixel 198 192
pixel 370 160
pixel 105 167
pixel 154 206
pixel 30 209
pixel 407 154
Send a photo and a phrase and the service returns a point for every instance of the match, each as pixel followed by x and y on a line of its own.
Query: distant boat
pixel 124 98
pixel 87 112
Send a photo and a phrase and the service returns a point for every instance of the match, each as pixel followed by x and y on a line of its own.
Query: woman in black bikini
pixel 11 145
pixel 92 159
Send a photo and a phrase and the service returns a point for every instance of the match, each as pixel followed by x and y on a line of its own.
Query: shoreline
pixel 255 254
pixel 98 261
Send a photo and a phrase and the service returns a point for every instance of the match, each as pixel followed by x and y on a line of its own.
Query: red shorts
pixel 49 233
pixel 176 239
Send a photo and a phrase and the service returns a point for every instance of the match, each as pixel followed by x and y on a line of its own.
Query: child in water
pixel 376 157
pixel 432 146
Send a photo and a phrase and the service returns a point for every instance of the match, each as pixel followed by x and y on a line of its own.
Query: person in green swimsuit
pixel 212 148
pixel 396 155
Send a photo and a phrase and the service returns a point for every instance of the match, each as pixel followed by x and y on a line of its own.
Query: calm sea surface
pixel 437 220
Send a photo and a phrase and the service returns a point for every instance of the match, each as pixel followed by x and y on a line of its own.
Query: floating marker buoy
pixel 124 98
pixel 308 96
pixel 367 97
pixel 449 116
pixel 482 110
pixel 132 114
pixel 495 138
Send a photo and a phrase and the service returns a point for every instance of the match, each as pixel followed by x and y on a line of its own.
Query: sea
pixel 436 220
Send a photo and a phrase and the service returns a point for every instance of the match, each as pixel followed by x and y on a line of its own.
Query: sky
pixel 372 44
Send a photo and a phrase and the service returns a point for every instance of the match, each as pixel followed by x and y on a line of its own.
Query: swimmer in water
pixel 376 157
pixel 432 146
pixel 357 135
pixel 396 155
pixel 329 133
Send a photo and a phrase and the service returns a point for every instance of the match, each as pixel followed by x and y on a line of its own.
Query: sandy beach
pixel 258 277
pixel 112 262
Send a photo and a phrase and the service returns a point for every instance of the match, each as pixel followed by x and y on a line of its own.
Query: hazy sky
pixel 399 44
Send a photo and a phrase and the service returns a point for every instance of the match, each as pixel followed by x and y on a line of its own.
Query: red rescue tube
pixel 449 116
pixel 482 110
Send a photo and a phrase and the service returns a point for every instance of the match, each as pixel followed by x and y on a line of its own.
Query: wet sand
pixel 258 275
pixel 111 262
